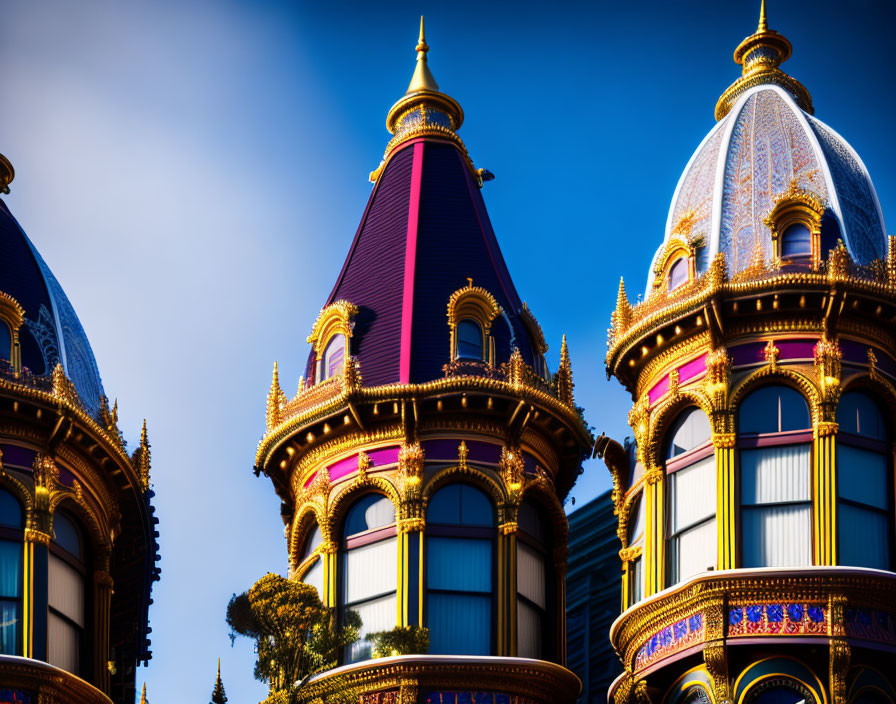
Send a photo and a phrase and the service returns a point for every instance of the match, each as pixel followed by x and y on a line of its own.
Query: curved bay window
pixel 864 486
pixel 532 555
pixel 332 361
pixel 460 538
pixel 12 525
pixel 370 568
pixel 636 524
pixel 469 344
pixel 775 450
pixel 691 524
pixel 67 596
pixel 314 575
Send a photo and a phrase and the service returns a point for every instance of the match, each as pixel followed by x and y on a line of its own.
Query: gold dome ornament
pixel 7 174
pixel 760 55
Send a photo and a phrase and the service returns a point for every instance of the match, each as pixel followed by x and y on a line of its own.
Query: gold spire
pixel 564 376
pixel 760 55
pixel 422 78
pixel 7 174
pixel 143 695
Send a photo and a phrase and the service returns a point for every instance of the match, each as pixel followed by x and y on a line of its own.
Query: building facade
pixel 757 523
pixel 423 462
pixel 78 547
pixel 592 597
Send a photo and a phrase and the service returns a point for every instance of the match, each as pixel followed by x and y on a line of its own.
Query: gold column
pixel 625 581
pixel 102 601
pixel 507 588
pixel 329 554
pixel 726 504
pixel 824 493
pixel 32 598
pixel 654 534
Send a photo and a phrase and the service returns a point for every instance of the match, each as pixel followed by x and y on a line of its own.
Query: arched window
pixel 370 568
pixel 67 596
pixel 460 530
pixel 781 691
pixel 12 525
pixel 691 471
pixel 774 440
pixel 864 485
pixel 469 340
pixel 678 273
pixel 531 579
pixel 332 361
pixel 796 241
pixel 5 342
pixel 636 523
pixel 314 575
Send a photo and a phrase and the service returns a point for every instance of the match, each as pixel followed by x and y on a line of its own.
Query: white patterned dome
pixel 765 143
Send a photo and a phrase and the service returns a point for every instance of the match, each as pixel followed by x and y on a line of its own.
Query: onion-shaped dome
pixel 765 145
pixel 51 333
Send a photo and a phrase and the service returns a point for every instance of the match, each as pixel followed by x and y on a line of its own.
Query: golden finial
pixel 276 399
pixel 143 458
pixel 760 55
pixel 143 695
pixel 7 174
pixel 422 78
pixel 564 376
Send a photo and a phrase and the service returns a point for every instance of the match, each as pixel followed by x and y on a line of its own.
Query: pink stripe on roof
pixel 410 260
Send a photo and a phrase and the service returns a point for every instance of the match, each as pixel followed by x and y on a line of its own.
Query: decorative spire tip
pixel 763 22
pixel 421 42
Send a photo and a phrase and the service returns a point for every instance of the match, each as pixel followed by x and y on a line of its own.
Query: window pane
pixel 445 555
pixel 10 509
pixel 864 537
pixel 777 536
pixel 314 539
pixel 693 551
pixel 691 429
pixel 334 356
pixel 678 273
pixel 636 520
pixel 530 521
pixel 314 576
pixel 460 504
pixel 68 537
pixel 5 342
pixel 66 590
pixel 796 240
pixel 636 577
pixel 63 644
pixel 530 577
pixel 369 512
pixel 9 625
pixel 858 413
pixel 370 570
pixel 528 631
pixel 692 494
pixel 862 475
pixel 459 623
pixel 775 474
pixel 10 569
pixel 377 615
pixel 469 340
pixel 773 409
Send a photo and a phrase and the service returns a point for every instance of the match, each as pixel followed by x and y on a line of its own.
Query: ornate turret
pixel 430 440
pixel 760 55
pixel 756 506
pixel 76 518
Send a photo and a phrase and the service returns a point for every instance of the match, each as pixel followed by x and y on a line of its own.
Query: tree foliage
pixel 401 640
pixel 295 635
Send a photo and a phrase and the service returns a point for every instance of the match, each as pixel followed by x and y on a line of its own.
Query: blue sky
pixel 194 172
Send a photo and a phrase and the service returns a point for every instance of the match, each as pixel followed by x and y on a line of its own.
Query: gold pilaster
pixel 726 502
pixel 654 538
pixel 824 490
pixel 102 600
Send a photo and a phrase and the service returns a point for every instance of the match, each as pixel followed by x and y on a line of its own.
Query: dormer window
pixel 333 359
pixel 796 241
pixel 469 340
pixel 678 273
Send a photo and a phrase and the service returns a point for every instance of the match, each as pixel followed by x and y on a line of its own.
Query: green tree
pixel 218 695
pixel 295 634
